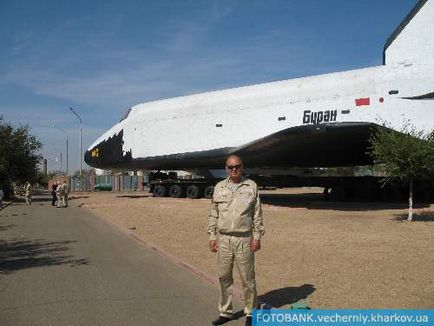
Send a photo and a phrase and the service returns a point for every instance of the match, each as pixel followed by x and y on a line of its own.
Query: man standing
pixel 28 193
pixel 235 227
pixel 65 191
pixel 54 193
pixel 59 194
pixel 1 197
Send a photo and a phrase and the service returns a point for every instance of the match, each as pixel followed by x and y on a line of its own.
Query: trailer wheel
pixel 208 192
pixel 175 191
pixel 338 193
pixel 422 192
pixel 160 191
pixel 193 192
pixel 393 193
pixel 366 192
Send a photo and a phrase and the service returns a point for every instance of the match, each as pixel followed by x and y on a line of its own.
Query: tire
pixel 366 192
pixel 160 191
pixel 338 194
pixel 176 191
pixel 208 192
pixel 193 192
pixel 422 192
pixel 391 193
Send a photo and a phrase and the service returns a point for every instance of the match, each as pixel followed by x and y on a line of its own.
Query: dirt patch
pixel 334 255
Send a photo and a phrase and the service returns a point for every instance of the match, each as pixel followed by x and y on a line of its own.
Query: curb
pixel 176 260
pixel 205 276
pixel 6 205
pixel 191 268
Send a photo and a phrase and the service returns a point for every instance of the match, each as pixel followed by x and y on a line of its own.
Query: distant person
pixel 54 194
pixel 235 227
pixel 28 193
pixel 2 194
pixel 65 191
pixel 59 194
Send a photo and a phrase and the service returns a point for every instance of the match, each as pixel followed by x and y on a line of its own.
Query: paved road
pixel 66 267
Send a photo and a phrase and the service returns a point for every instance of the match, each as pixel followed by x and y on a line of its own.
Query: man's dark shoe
pixel 221 320
pixel 248 321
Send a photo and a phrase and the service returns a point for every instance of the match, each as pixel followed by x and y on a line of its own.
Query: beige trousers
pixel 65 200
pixel 234 249
pixel 59 200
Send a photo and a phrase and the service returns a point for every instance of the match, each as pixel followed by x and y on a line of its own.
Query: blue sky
pixel 102 57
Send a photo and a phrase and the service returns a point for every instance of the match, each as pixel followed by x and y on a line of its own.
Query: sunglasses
pixel 233 167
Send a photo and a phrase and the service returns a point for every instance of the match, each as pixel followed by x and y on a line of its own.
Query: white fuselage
pixel 234 117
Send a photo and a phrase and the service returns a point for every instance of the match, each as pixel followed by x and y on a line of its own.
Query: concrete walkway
pixel 66 267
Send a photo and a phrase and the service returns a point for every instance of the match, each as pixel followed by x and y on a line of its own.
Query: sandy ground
pixel 333 255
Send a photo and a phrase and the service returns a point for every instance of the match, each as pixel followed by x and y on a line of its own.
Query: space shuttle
pixel 319 121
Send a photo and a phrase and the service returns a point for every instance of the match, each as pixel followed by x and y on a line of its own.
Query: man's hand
pixel 255 245
pixel 213 245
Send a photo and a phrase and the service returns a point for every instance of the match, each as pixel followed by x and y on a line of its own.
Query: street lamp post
pixel 58 160
pixel 81 140
pixel 61 161
pixel 67 151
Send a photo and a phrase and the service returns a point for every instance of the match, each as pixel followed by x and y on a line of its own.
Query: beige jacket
pixel 28 189
pixel 65 188
pixel 238 212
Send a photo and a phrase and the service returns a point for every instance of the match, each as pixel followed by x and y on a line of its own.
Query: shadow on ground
pixel 419 217
pixel 74 197
pixel 133 196
pixel 317 201
pixel 19 254
pixel 284 296
pixel 34 199
pixel 4 227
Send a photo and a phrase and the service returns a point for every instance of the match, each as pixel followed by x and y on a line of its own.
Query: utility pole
pixel 67 151
pixel 61 162
pixel 81 140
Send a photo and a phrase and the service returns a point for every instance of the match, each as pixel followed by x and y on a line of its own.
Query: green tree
pixel 406 155
pixel 19 154
pixel 42 179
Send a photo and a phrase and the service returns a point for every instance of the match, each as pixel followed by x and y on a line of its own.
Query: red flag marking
pixel 363 101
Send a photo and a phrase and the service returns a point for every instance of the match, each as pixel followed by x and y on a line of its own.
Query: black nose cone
pixel 109 153
pixel 93 157
pixel 87 158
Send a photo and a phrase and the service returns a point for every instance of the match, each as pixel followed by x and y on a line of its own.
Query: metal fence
pixel 107 183
pixel 104 182
pixel 79 184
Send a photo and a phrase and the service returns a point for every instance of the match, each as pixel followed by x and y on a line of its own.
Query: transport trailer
pixel 179 188
pixel 336 188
